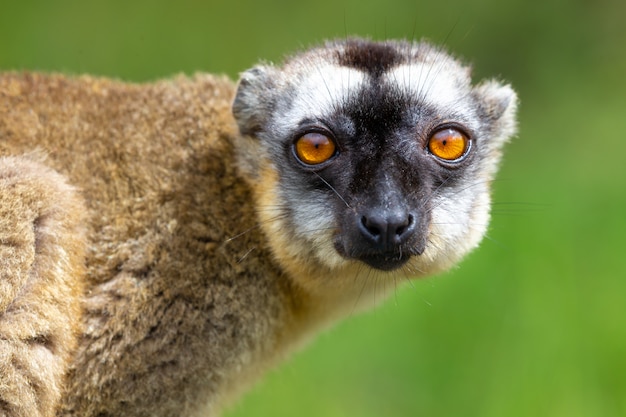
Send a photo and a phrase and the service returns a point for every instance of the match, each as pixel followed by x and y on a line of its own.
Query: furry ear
pixel 498 108
pixel 254 100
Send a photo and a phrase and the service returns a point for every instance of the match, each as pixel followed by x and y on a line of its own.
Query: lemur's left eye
pixel 448 144
pixel 314 148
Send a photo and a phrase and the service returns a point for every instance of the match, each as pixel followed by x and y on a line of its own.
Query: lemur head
pixel 372 156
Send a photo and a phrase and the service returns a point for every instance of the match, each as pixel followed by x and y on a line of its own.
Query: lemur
pixel 163 244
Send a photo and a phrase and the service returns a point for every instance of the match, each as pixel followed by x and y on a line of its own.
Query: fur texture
pixel 157 254
pixel 41 251
pixel 381 102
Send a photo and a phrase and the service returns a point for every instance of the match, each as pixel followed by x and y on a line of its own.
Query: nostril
pixel 408 223
pixel 387 230
pixel 398 228
pixel 372 226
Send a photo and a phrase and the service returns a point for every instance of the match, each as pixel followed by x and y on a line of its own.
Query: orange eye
pixel 314 148
pixel 448 144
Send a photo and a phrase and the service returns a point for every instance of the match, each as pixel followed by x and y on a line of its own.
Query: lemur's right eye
pixel 314 148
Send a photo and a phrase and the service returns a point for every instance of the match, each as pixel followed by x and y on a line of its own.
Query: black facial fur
pixel 384 176
pixel 382 179
pixel 369 57
pixel 382 187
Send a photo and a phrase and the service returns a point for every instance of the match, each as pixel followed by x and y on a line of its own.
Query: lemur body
pixel 214 245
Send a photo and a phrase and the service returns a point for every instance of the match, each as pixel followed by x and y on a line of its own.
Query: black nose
pixel 387 230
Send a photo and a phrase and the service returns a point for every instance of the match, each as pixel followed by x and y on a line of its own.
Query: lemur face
pixel 373 154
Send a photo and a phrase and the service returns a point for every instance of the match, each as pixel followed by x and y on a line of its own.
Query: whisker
pixel 230 239
pixel 407 272
pixel 365 283
pixel 333 189
pixel 245 255
pixel 435 191
pixel 451 31
pixel 497 242
pixel 411 270
pixel 457 192
pixel 330 94
pixel 256 226
pixel 517 207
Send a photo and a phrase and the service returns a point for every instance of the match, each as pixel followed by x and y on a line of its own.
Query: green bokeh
pixel 534 322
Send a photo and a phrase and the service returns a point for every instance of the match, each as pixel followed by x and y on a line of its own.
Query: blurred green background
pixel 534 322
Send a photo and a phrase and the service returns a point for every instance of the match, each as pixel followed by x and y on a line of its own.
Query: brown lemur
pixel 158 254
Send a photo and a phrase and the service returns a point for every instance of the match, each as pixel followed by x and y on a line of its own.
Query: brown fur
pixel 41 248
pixel 154 257
pixel 174 321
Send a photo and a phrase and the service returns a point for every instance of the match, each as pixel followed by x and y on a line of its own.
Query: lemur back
pixel 162 253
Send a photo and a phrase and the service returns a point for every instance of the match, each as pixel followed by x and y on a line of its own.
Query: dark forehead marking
pixel 371 57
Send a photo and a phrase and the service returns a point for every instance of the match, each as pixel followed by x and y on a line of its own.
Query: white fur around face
pixel 320 91
pixel 317 227
pixel 433 83
pixel 460 217
pixel 317 87
pixel 323 88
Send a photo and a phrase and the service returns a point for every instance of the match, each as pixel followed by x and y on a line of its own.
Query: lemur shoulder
pixel 163 244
